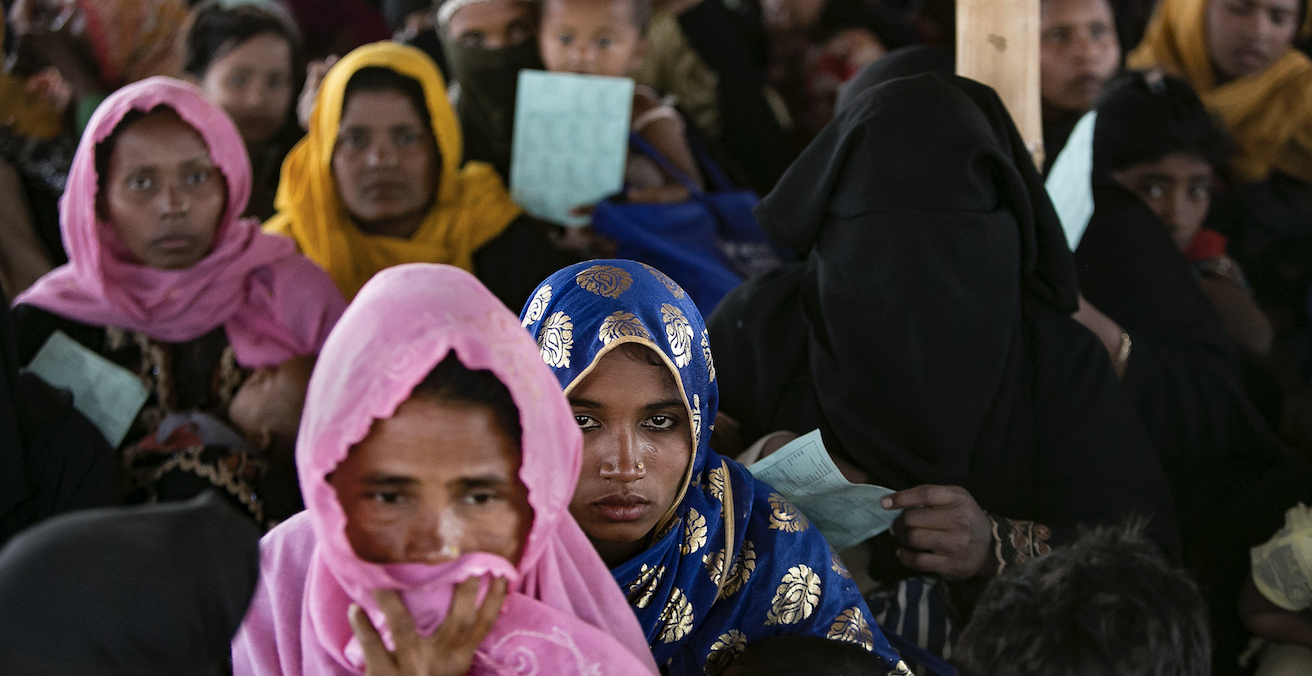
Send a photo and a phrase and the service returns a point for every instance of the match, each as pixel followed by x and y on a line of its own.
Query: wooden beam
pixel 998 44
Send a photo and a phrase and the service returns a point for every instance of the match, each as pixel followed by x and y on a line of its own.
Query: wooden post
pixel 998 44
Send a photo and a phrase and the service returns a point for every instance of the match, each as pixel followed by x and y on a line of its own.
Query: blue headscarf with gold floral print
pixel 733 562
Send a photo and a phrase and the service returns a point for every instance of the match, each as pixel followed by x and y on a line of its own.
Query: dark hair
pixel 1107 604
pixel 641 16
pixel 453 381
pixel 379 79
pixel 215 31
pixel 105 149
pixel 797 654
pixel 1145 116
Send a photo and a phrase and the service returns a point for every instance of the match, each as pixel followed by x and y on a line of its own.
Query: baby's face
pixel 595 37
pixel 267 407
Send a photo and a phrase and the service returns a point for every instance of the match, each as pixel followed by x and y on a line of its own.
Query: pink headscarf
pixel 274 303
pixel 564 613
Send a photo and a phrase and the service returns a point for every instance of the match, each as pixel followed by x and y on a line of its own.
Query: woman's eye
pixel 480 498
pixel 565 39
pixel 604 43
pixel 406 138
pixel 238 81
pixel 1200 192
pixel 586 422
pixel 279 81
pixel 357 141
pixel 1154 191
pixel 141 183
pixel 198 177
pixel 660 422
pixel 387 497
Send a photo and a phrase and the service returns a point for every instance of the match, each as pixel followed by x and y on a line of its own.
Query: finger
pixel 948 543
pixel 928 562
pixel 927 495
pixel 491 608
pixel 398 617
pixel 376 655
pixel 936 518
pixel 464 604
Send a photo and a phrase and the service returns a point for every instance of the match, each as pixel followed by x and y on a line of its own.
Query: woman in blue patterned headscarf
pixel 712 560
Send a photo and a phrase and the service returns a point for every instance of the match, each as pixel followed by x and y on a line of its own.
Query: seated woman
pixel 245 59
pixel 167 280
pixel 1239 56
pixel 437 458
pixel 713 560
pixel 1158 317
pixel 927 334
pixel 379 181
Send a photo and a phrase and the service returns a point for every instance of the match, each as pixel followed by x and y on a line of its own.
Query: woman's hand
pixel 448 652
pixel 942 531
pixel 314 74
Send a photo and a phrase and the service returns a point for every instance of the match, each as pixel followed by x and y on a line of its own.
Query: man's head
pixel 1079 53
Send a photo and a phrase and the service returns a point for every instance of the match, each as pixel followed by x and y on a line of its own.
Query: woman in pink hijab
pixel 167 280
pixel 437 457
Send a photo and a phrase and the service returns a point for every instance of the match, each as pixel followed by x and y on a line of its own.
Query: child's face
pixel 595 37
pixel 267 407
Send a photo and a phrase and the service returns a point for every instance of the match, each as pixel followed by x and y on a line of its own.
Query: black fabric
pixel 901 62
pixel 52 459
pixel 927 333
pixel 159 589
pixel 732 44
pixel 513 264
pixel 1056 131
pixel 488 79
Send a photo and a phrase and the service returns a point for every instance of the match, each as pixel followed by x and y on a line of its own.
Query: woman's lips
pixel 175 243
pixel 623 508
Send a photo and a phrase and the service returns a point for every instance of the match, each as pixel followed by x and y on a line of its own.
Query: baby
pixel 608 37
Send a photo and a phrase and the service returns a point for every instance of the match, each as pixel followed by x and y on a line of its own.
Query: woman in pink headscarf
pixel 437 458
pixel 166 280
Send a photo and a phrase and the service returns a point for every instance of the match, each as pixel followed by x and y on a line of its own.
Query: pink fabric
pixel 565 614
pixel 274 303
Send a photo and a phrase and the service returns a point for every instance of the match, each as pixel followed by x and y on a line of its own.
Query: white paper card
pixel 571 142
pixel 845 512
pixel 1070 181
pixel 109 395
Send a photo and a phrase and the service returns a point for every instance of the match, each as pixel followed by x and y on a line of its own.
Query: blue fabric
pixel 708 244
pixel 782 577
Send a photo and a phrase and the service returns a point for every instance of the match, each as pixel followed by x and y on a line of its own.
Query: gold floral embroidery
pixel 739 573
pixel 679 333
pixel 556 339
pixel 677 617
pixel 642 589
pixel 604 280
pixel 694 532
pixel 901 670
pixel 716 480
pixel 785 517
pixel 621 324
pixel 538 306
pixel 666 529
pixel 836 565
pixel 727 647
pixel 664 279
pixel 706 354
pixel 696 420
pixel 851 626
pixel 796 598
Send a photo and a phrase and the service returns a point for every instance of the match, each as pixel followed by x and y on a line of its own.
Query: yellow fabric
pixel 1269 115
pixel 472 205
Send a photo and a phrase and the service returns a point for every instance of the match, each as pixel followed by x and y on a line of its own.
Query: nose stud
pixel 184 208
pixel 641 466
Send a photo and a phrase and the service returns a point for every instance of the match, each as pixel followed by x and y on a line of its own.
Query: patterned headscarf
pixel 732 562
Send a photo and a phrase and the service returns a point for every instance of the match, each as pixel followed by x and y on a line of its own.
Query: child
pixel 608 37
pixel 258 442
pixel 1107 604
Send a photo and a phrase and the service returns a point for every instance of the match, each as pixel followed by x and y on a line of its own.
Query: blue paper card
pixel 571 142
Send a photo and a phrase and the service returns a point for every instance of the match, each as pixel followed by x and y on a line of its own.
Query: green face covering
pixel 486 104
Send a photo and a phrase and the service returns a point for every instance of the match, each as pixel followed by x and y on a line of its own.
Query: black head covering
pixel 902 62
pixel 927 334
pixel 488 80
pixel 129 590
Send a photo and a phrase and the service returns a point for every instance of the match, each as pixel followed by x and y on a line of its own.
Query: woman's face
pixel 385 161
pixel 637 443
pixel 436 480
pixel 1244 37
pixel 1178 189
pixel 493 24
pixel 253 83
pixel 1078 52
pixel 163 193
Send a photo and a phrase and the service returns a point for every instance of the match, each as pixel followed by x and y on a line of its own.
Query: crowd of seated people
pixel 293 385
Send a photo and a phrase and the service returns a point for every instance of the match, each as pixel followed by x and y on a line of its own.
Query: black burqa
pixel 485 103
pixel 52 459
pixel 159 589
pixel 927 332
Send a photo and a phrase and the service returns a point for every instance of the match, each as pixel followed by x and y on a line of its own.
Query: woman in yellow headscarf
pixel 378 182
pixel 1239 56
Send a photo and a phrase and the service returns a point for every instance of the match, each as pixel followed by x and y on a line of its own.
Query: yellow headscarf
pixel 472 205
pixel 1269 115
